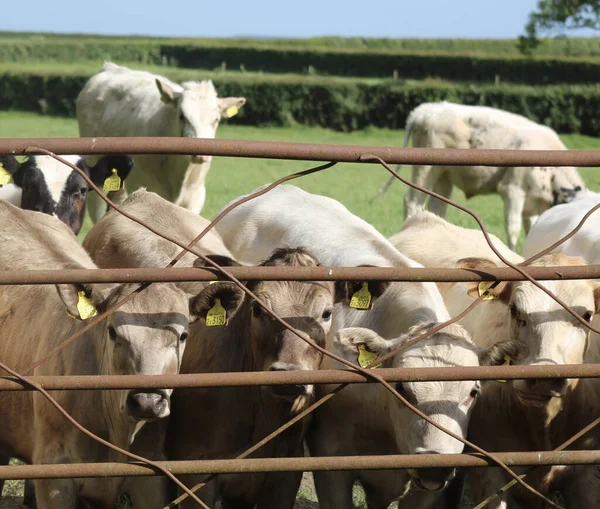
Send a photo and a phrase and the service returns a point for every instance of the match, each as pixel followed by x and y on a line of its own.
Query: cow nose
pixel 147 404
pixel 553 387
pixel 291 391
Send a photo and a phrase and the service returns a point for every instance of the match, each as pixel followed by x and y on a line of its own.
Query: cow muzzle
pixel 431 479
pixel 147 405
pixel 291 391
pixel 537 392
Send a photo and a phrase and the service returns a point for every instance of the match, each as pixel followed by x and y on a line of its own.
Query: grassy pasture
pixel 352 184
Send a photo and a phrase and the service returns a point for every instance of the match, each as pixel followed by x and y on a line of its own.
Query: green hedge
pixel 293 59
pixel 557 47
pixel 341 105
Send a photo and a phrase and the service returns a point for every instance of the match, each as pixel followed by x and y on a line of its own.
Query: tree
pixel 556 16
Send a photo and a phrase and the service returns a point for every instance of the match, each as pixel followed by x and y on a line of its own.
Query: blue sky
pixel 270 18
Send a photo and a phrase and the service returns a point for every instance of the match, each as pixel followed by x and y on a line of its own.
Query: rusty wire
pixel 300 151
pixel 483 229
pixel 274 315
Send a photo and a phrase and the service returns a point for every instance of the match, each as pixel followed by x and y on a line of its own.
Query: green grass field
pixel 352 184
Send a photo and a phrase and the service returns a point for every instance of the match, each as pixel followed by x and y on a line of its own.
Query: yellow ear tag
pixel 482 289
pixel 85 307
pixel 365 357
pixel 231 111
pixel 216 316
pixel 506 363
pixel 112 183
pixel 5 177
pixel 362 298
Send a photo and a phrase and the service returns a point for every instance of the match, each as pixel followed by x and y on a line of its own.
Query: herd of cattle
pixel 164 330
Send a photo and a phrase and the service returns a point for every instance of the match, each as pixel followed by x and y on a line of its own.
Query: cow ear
pixel 501 291
pixel 228 295
pixel 222 260
pixel 344 290
pixel 596 297
pixel 505 352
pixel 81 301
pixel 10 164
pixel 105 166
pixel 229 106
pixel 353 342
pixel 167 94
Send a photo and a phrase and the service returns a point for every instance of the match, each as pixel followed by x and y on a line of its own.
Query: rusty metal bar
pixel 325 376
pixel 175 274
pixel 301 151
pixel 81 470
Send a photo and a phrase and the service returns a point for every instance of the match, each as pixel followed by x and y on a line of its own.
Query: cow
pixel 531 414
pixel 118 101
pixel 147 335
pixel 43 184
pixel 250 342
pixel 558 221
pixel 526 192
pixel 288 216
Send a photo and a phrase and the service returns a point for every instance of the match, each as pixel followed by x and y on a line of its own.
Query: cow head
pixel 198 109
pixel 566 185
pixel 51 187
pixel 448 404
pixel 305 305
pixel 552 336
pixel 145 336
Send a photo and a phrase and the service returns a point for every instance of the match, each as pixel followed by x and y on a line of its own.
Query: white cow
pixel 290 217
pixel 549 410
pixel 526 192
pixel 119 101
pixel 558 221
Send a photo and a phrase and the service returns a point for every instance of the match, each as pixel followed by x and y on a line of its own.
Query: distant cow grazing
pixel 43 184
pixel 527 192
pixel 119 101
pixel 147 335
pixel 521 415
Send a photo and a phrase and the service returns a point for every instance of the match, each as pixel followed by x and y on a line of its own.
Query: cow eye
pixel 475 392
pixel 112 333
pixel 399 387
pixel 517 316
pixel 83 190
pixel 326 314
pixel 257 310
pixel 183 337
pixel 588 315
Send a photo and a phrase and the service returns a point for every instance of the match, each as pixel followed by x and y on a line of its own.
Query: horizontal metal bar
pixel 325 376
pixel 42 277
pixel 81 470
pixel 301 151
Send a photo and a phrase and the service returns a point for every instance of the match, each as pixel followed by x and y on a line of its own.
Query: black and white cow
pixel 43 184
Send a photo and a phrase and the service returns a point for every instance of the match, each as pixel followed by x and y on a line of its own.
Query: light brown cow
pixel 147 335
pixel 532 414
pixel 251 342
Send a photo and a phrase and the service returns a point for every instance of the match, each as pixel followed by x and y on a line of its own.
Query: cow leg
pixel 56 493
pixel 193 190
pixel 514 201
pixel 528 222
pixel 29 494
pixel 334 489
pixel 424 176
pixel 484 482
pixel 444 187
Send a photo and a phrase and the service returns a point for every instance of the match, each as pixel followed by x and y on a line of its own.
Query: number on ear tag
pixel 365 357
pixel 216 316
pixel 112 183
pixel 362 298
pixel 5 177
pixel 85 307
pixel 482 289
pixel 231 111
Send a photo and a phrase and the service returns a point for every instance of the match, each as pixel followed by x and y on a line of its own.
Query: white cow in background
pixel 119 101
pixel 562 219
pixel 527 192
